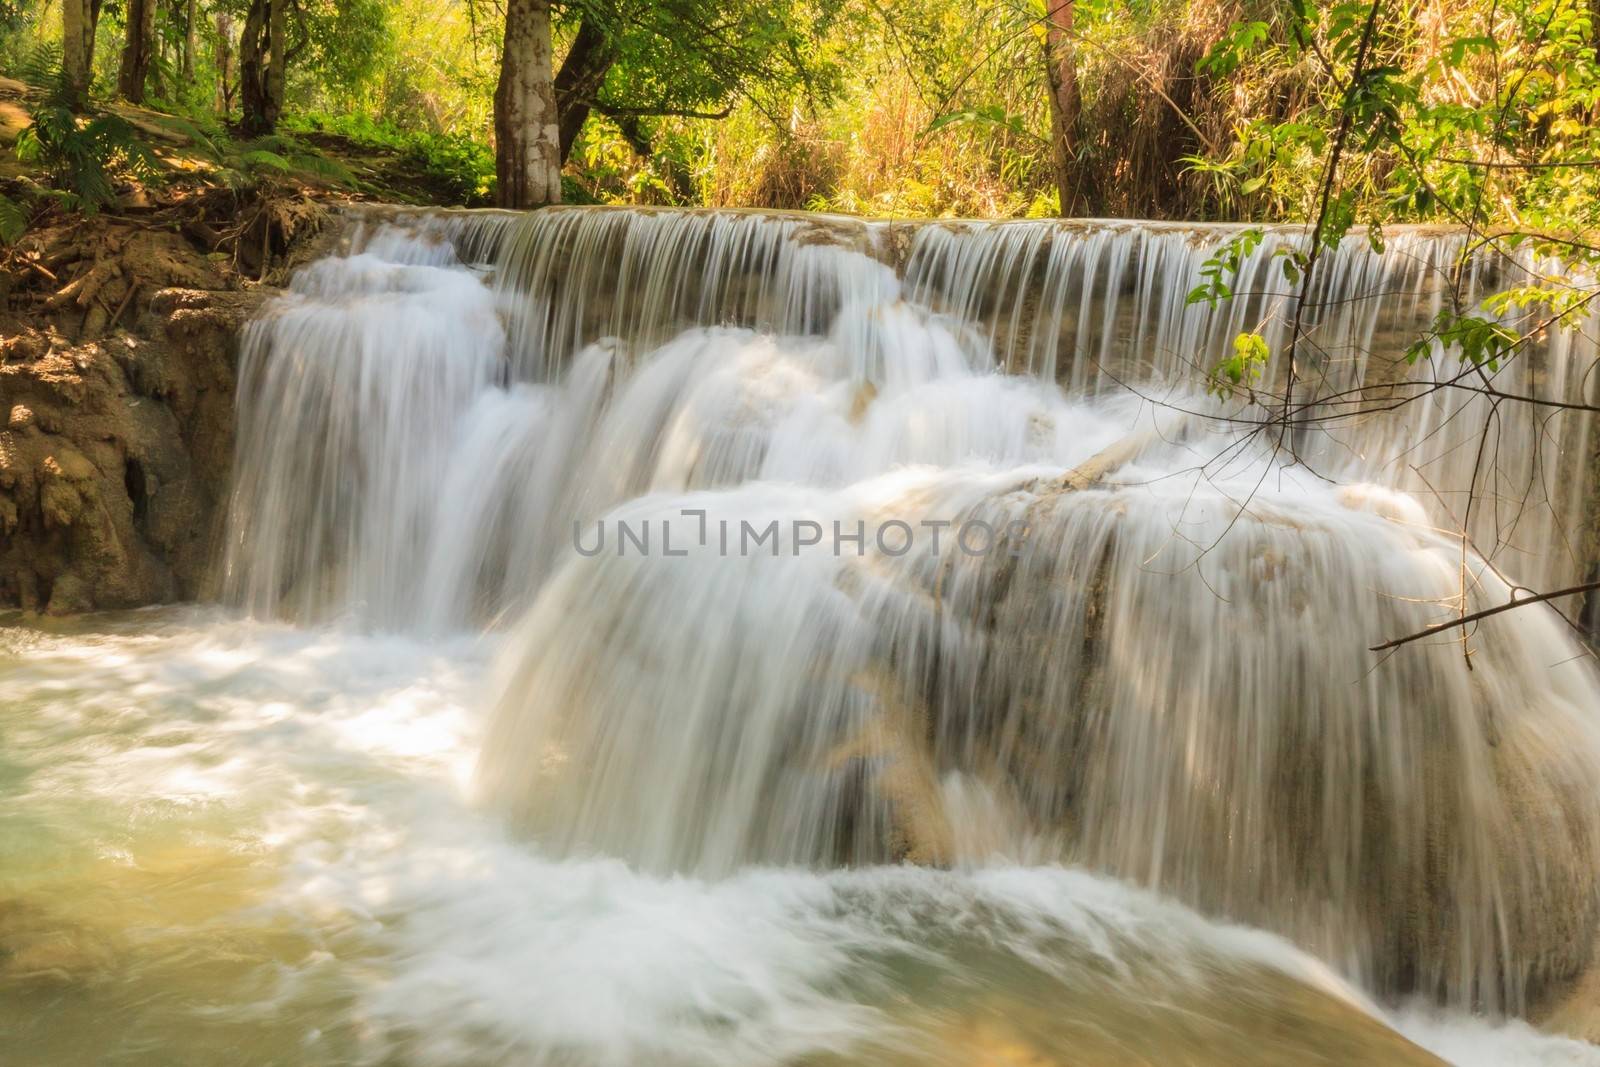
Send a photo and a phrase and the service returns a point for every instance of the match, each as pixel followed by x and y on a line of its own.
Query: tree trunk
pixel 136 50
pixel 1061 71
pixel 262 63
pixel 224 100
pixel 527 154
pixel 190 39
pixel 578 81
pixel 78 18
pixel 252 64
pixel 277 61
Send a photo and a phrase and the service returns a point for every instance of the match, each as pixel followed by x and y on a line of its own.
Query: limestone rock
pixel 114 456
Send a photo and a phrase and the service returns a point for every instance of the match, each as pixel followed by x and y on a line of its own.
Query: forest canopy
pixel 1453 110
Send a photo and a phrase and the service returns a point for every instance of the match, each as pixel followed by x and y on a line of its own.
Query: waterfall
pixel 697 465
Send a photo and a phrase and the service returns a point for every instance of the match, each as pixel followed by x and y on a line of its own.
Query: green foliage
pixel 1556 301
pixel 343 43
pixel 1242 369
pixel 36 62
pixel 992 115
pixel 1235 46
pixel 14 14
pixel 1221 268
pixel 459 167
pixel 13 220
pixel 84 158
pixel 607 167
pixel 1487 339
pixel 1490 127
pixel 1481 341
pixel 1294 263
pixel 683 55
pixel 245 163
pixel 931 108
pixel 1187 108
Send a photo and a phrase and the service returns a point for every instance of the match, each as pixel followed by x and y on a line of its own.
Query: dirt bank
pixel 117 348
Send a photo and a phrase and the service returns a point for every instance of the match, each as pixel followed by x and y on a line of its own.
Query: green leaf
pixel 992 115
pixel 1224 263
pixel 1228 53
pixel 13 220
pixel 1242 369
pixel 1458 49
pixel 260 157
pixel 1481 341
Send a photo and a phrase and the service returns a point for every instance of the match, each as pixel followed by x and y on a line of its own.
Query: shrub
pixel 83 158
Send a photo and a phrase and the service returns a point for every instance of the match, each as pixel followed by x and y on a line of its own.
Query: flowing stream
pixel 733 638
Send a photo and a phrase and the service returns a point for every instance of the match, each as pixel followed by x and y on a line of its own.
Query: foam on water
pixel 226 839
pixel 1170 684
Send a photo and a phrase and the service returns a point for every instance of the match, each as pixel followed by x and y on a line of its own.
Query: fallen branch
pixel 1514 602
pixel 82 289
pixel 1098 467
pixel 116 316
pixel 42 269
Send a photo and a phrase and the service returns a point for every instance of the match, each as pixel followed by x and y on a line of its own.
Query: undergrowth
pixel 459 167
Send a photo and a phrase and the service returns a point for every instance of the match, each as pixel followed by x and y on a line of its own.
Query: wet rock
pixel 114 455
pixel 69 596
pixel 116 398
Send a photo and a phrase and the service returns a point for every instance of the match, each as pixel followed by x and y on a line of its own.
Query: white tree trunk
pixel 527 132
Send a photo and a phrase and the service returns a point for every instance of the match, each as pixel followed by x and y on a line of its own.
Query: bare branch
pixel 1514 602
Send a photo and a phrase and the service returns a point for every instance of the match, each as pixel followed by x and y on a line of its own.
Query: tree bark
pixel 262 66
pixel 578 81
pixel 527 152
pixel 224 101
pixel 191 19
pixel 1061 72
pixel 78 19
pixel 278 60
pixel 136 50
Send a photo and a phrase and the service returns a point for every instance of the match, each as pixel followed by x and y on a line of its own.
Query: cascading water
pixel 851 584
pixel 1163 675
pixel 1101 309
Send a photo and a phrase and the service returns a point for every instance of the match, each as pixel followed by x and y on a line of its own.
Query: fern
pixel 84 160
pixel 13 220
pixel 287 155
pixel 260 158
pixel 321 166
pixel 40 64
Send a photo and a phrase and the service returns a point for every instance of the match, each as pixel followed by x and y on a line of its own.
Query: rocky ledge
pixel 118 338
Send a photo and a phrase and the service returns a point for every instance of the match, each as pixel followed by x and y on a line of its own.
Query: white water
pixel 710 765
pixel 249 843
